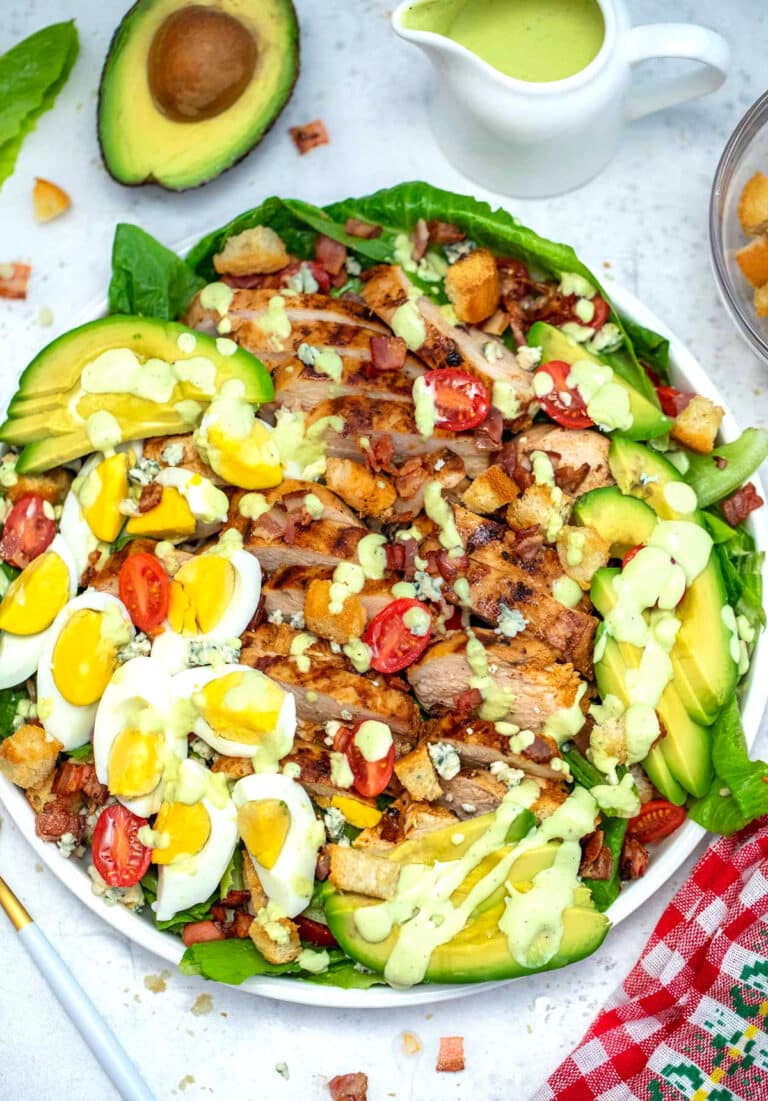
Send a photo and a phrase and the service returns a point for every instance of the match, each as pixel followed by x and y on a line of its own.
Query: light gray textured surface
pixel 646 218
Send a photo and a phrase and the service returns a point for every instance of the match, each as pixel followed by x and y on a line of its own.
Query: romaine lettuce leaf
pixel 148 278
pixel 10 698
pixel 234 961
pixel 739 791
pixel 713 482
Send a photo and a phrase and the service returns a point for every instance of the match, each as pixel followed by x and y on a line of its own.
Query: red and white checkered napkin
pixel 690 1020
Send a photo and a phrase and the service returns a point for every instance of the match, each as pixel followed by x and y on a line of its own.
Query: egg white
pixel 20 654
pixel 295 866
pixel 70 723
pixel 140 680
pixel 193 879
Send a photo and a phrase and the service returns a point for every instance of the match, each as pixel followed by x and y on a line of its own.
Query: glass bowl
pixel 745 153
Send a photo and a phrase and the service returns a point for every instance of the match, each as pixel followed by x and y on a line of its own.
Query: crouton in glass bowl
pixel 738 226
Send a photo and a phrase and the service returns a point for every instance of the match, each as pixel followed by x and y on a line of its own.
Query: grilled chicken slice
pixel 448 345
pixel 472 793
pixel 478 744
pixel 291 494
pixel 277 540
pixel 301 387
pixel 443 675
pixel 285 590
pixel 395 420
pixel 579 458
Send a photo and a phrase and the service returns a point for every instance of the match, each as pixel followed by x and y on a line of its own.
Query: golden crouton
pixel 472 285
pixel 234 768
pixel 490 490
pixel 258 250
pixel 41 794
pixel 582 552
pixel 696 427
pixel 368 493
pixel 551 796
pixel 542 505
pixel 362 873
pixel 49 200
pixel 753 260
pixel 761 300
pixel 253 883
pixel 338 626
pixel 27 757
pixel 420 818
pixel 753 205
pixel 417 774
pixel 53 487
pixel 277 940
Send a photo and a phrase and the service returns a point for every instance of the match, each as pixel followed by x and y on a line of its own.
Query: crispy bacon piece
pixel 80 776
pixel 420 240
pixel 151 496
pixel 380 454
pixel 401 556
pixel 349 1087
pixel 451 1055
pixel 356 227
pixel 528 544
pixel 738 506
pixel 569 478
pixel 634 859
pixel 720 462
pixel 468 702
pixel 60 816
pixel 331 254
pixel 199 932
pixel 308 136
pixel 388 353
pixel 444 233
pixel 596 858
pixel 488 435
pixel 450 568
pixel 14 279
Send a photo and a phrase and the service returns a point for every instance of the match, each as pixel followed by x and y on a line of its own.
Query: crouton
pixel 338 626
pixel 697 426
pixel 491 490
pixel 542 505
pixel 368 493
pixel 753 260
pixel 761 300
pixel 362 873
pixel 417 774
pixel 258 250
pixel 253 883
pixel 472 285
pixel 234 768
pixel 49 200
pixel 277 940
pixel 41 794
pixel 551 796
pixel 27 757
pixel 53 487
pixel 753 205
pixel 582 552
pixel 420 818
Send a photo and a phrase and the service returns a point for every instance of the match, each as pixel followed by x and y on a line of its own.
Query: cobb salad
pixel 372 603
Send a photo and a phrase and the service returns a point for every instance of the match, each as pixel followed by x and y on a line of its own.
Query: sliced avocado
pixel 687 747
pixel 50 404
pixel 705 672
pixel 480 951
pixel 621 520
pixel 188 89
pixel 648 421
pixel 657 771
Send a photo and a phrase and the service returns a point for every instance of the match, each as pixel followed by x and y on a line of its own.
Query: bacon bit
pixel 379 455
pixel 450 567
pixel 49 200
pixel 496 324
pixel 14 279
pixel 570 478
pixel 323 864
pixel 355 227
pixel 235 899
pixel 80 776
pixel 444 233
pixel 738 506
pixel 467 702
pixel 720 462
pixel 634 859
pixel 673 401
pixel 528 544
pixel 238 928
pixel 517 322
pixel 411 1043
pixel 401 556
pixel 541 750
pixel 308 136
pixel 331 254
pixel 451 1055
pixel 420 240
pixel 388 353
pixel 596 858
pixel 61 816
pixel 412 475
pixel 199 932
pixel 488 435
pixel 150 498
pixel 251 282
pixel 349 1087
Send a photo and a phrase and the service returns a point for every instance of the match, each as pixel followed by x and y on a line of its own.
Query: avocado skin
pixel 479 953
pixel 230 159
pixel 648 420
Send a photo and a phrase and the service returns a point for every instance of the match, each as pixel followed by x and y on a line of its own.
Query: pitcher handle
pixel 683 40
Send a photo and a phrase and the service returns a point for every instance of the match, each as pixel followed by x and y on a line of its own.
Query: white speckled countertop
pixel 644 222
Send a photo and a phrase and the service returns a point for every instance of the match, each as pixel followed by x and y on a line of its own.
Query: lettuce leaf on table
pixel 148 278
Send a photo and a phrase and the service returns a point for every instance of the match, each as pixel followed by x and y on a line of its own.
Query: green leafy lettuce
pixel 148 278
pixel 10 698
pixel 234 961
pixel 712 480
pixel 739 791
pixel 32 73
pixel 200 912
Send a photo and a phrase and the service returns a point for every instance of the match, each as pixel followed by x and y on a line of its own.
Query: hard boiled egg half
pixel 194 836
pixel 135 740
pixel 191 507
pixel 239 712
pixel 276 821
pixel 91 518
pixel 29 608
pixel 77 660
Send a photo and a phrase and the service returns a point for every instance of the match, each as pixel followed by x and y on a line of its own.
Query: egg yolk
pixel 103 513
pixel 186 826
pixel 264 826
pixel 250 462
pixel 36 596
pixel 172 518
pixel 201 592
pixel 242 706
pixel 83 660
pixel 135 763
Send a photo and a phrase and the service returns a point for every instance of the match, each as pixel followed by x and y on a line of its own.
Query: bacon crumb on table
pixel 308 136
pixel 451 1055
pixel 14 279
pixel 349 1087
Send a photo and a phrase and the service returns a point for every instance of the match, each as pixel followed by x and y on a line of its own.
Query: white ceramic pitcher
pixel 538 139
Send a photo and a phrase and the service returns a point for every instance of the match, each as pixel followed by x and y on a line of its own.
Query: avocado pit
pixel 200 62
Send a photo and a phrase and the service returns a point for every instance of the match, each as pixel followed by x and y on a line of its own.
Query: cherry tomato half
pixel 673 401
pixel 27 531
pixel 461 400
pixel 118 855
pixel 601 314
pixel 564 404
pixel 315 932
pixel 393 645
pixel 145 590
pixel 631 554
pixel 370 777
pixel 656 820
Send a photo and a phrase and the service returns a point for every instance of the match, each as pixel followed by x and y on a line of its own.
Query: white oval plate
pixel 668 857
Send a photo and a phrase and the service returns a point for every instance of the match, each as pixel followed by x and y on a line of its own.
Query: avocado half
pixel 188 89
